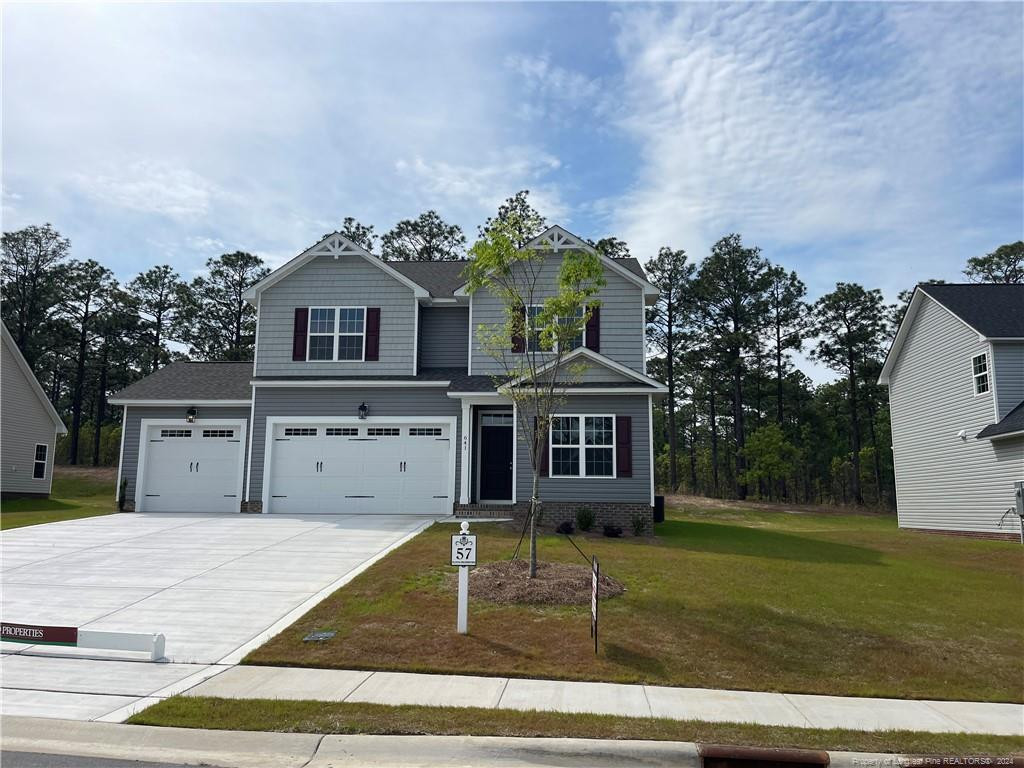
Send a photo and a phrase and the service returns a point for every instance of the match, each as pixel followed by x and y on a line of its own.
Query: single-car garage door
pixel 361 468
pixel 190 468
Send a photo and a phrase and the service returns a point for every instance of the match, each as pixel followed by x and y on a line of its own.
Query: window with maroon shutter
pixel 519 333
pixel 593 330
pixel 624 446
pixel 299 333
pixel 372 333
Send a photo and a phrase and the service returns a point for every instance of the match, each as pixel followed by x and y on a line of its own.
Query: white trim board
pixel 272 421
pixel 606 362
pixel 145 424
pixel 187 403
pixel 348 383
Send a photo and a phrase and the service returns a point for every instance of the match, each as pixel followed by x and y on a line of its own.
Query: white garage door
pixel 190 468
pixel 365 469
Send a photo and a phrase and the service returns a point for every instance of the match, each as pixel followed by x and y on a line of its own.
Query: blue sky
pixel 878 143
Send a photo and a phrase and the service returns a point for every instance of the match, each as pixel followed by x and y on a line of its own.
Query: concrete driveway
pixel 216 586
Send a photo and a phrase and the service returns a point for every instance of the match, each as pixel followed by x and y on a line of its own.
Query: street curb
pixel 258 749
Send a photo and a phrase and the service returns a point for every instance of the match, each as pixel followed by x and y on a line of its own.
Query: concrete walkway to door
pixel 784 709
pixel 216 586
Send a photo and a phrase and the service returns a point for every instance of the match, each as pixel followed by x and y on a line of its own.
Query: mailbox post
pixel 463 556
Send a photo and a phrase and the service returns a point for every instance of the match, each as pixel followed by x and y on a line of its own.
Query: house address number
pixel 464 549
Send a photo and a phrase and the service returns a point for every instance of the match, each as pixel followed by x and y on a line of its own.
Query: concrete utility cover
pixel 215 585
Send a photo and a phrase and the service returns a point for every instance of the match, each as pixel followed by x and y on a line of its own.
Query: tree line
pixel 739 418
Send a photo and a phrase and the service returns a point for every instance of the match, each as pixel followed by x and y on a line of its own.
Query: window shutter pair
pixel 301 327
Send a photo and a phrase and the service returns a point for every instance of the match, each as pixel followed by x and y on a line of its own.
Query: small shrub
pixel 612 531
pixel 585 519
pixel 639 522
pixel 565 527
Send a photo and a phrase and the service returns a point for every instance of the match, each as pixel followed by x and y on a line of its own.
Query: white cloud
pixel 816 125
pixel 151 187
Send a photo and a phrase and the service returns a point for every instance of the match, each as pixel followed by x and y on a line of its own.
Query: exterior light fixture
pixel 363 411
pixel 190 415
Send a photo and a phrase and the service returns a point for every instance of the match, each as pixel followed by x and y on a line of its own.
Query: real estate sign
pixel 38 634
pixel 464 549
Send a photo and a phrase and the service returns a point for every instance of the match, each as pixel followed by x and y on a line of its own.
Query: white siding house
pixel 28 426
pixel 954 375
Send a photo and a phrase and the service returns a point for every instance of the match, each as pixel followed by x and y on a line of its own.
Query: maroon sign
pixel 38 634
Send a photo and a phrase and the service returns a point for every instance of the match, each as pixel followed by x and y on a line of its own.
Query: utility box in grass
pixel 659 509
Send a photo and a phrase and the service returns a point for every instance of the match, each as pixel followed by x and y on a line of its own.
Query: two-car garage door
pixel 360 468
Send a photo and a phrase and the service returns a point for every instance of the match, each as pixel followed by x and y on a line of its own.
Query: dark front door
pixel 496 463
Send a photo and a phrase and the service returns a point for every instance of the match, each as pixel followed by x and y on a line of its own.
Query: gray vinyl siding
pixel 626 489
pixel 622 318
pixel 323 401
pixel 24 421
pixel 444 337
pixel 133 425
pixel 329 282
pixel 593 374
pixel 943 482
pixel 1009 375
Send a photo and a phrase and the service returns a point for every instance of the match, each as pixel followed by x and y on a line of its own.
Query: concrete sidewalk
pixel 785 709
pixel 241 749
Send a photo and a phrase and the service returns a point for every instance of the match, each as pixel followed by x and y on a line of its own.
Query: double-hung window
pixel 979 369
pixel 39 465
pixel 533 335
pixel 582 446
pixel 336 333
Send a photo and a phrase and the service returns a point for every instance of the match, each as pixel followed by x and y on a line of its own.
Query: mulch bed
pixel 507 582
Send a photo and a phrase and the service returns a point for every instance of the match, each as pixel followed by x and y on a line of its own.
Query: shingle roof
pixel 442 278
pixel 1010 423
pixel 193 381
pixel 993 310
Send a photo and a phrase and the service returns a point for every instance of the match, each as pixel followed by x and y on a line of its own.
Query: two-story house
pixel 370 393
pixel 955 374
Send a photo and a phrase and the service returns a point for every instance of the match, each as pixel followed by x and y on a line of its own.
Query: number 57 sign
pixel 464 549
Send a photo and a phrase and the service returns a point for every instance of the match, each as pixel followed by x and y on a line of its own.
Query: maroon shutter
pixel 592 337
pixel 372 333
pixel 543 448
pixel 518 333
pixel 299 333
pixel 624 446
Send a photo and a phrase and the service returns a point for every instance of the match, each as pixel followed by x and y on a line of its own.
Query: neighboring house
pixel 370 394
pixel 955 374
pixel 29 426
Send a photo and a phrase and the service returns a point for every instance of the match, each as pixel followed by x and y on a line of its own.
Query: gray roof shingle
pixel 1010 423
pixel 193 381
pixel 995 310
pixel 442 278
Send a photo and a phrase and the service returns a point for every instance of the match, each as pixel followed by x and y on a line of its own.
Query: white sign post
pixel 463 556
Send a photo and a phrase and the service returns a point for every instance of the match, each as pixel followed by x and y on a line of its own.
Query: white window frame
pixel 336 335
pixel 583 331
pixel 986 374
pixel 45 462
pixel 581 446
pixel 528 329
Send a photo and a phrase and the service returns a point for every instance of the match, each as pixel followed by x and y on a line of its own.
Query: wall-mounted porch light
pixel 363 411
pixel 190 415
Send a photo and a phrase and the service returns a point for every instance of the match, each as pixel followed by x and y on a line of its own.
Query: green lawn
pixel 338 717
pixel 76 493
pixel 722 598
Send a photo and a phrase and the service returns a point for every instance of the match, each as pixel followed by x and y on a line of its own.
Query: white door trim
pixel 144 426
pixel 273 421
